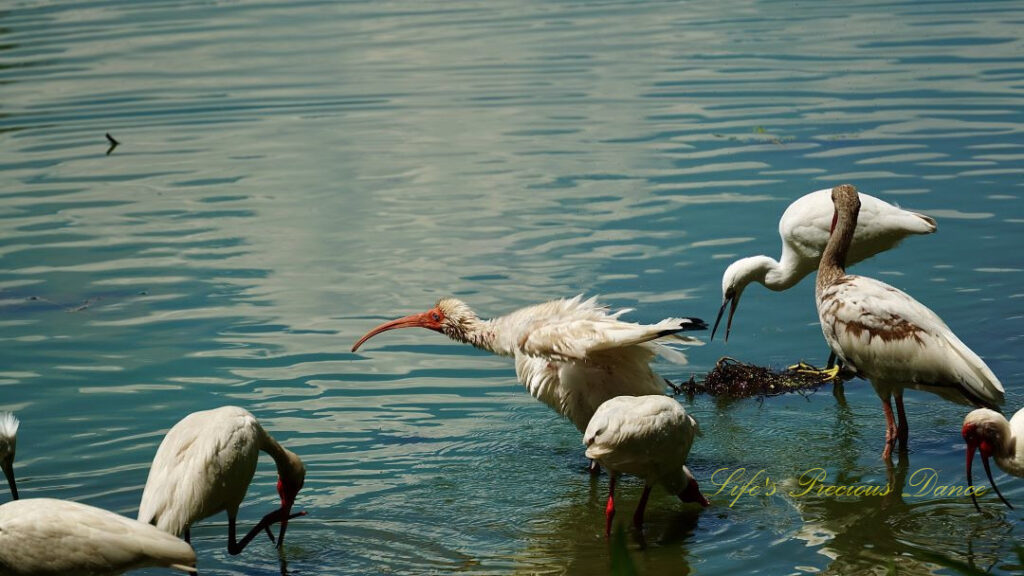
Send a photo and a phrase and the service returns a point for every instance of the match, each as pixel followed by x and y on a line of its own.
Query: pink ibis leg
pixel 890 428
pixel 638 516
pixel 902 429
pixel 609 509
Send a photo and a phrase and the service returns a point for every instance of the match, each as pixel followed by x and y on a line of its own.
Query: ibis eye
pixel 436 316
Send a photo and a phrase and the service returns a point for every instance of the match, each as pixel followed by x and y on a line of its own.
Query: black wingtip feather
pixel 694 324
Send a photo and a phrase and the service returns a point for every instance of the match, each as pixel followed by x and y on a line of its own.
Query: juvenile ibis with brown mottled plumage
pixel 889 338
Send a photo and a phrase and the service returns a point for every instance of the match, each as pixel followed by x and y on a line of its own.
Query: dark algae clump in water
pixel 734 379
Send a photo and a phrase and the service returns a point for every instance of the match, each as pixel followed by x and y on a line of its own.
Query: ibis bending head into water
pixel 48 537
pixel 887 337
pixel 204 465
pixel 8 442
pixel 649 437
pixel 988 432
pixel 804 229
pixel 573 354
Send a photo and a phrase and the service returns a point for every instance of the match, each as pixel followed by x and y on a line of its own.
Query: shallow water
pixel 292 173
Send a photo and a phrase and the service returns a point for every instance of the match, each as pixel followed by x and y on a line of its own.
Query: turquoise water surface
pixel 291 174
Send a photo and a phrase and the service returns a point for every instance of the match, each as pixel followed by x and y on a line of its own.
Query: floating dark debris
pixel 734 379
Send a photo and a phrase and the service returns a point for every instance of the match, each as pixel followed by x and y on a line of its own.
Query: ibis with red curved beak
pixel 988 432
pixel 204 466
pixel 572 354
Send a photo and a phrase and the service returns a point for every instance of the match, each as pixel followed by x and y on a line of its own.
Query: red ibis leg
pixel 890 428
pixel 902 429
pixel 609 509
pixel 638 516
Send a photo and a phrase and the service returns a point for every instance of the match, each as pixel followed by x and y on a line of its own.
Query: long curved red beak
pixel 971 447
pixel 422 320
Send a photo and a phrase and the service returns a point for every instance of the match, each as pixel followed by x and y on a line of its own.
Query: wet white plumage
pixel 572 354
pixel 646 436
pixel 649 437
pixel 204 466
pixel 804 230
pixel 44 536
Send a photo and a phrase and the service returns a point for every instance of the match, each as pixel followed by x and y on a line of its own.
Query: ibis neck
pixel 285 459
pixel 833 259
pixel 1010 456
pixel 477 333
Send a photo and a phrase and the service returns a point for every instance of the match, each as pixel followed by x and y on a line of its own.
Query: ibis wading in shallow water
pixel 649 437
pixel 8 442
pixel 988 432
pixel 205 464
pixel 48 537
pixel 804 229
pixel 572 355
pixel 887 337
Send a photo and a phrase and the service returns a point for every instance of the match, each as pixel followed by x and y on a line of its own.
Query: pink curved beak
pixel 421 320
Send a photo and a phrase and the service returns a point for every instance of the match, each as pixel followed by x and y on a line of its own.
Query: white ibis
pixel 48 537
pixel 988 432
pixel 204 465
pixel 649 437
pixel 570 354
pixel 804 229
pixel 8 442
pixel 887 337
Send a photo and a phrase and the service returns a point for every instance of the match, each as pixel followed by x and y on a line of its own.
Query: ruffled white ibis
pixel 48 537
pixel 573 354
pixel 649 437
pixel 804 229
pixel 988 432
pixel 887 337
pixel 8 443
pixel 204 465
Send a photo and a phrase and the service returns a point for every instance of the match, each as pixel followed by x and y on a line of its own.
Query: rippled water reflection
pixel 290 174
